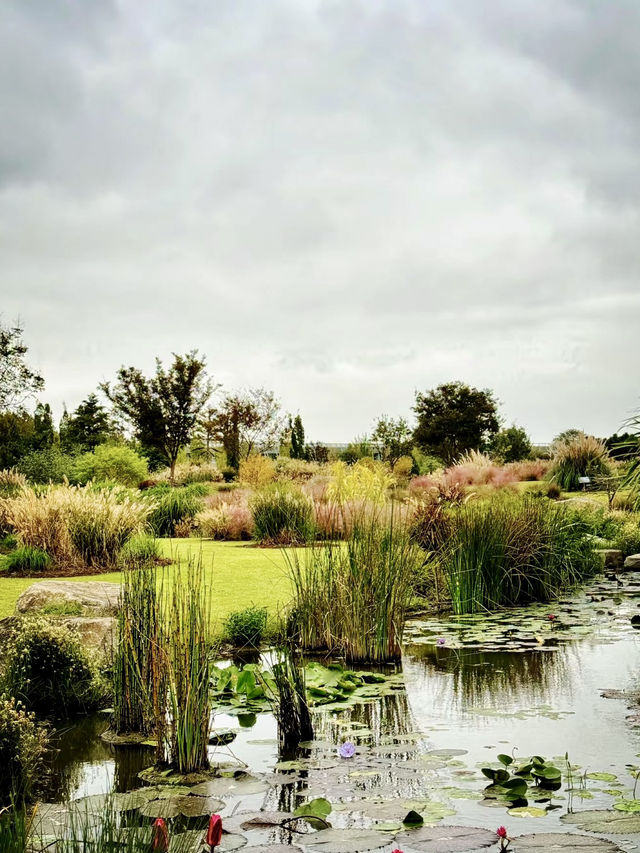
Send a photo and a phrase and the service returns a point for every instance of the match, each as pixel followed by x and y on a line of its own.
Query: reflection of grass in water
pixel 495 679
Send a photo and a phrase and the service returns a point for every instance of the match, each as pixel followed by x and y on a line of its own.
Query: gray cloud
pixel 343 201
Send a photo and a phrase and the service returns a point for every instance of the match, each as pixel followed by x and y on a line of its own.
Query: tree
pixel 16 437
pixel 510 445
pixel 87 427
pixel 44 433
pixel 394 437
pixel 162 409
pixel 298 450
pixel 455 418
pixel 246 423
pixel 18 383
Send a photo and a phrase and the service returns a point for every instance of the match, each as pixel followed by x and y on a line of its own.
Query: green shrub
pixel 246 627
pixel 229 474
pixel 140 550
pixel 282 515
pixel 8 542
pixel 578 456
pixel 47 466
pixel 111 462
pixel 23 744
pixel 174 505
pixel 50 670
pixel 28 559
pixel 627 538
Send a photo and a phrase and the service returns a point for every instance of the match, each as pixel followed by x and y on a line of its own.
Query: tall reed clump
pixel 351 597
pixel 282 515
pixel 171 506
pixel 187 656
pixel 139 643
pixel 290 702
pixel 511 550
pixel 580 456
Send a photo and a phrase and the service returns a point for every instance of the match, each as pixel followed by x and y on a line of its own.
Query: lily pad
pixel 199 806
pixel 602 777
pixel 545 842
pixel 225 787
pixel 345 840
pixel 446 839
pixel 527 811
pixel 273 848
pixel 604 820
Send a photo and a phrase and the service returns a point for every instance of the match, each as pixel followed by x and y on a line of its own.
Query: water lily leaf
pixel 317 808
pixel 255 820
pixel 231 841
pixel 198 806
pixel 447 753
pixel 604 820
pixel 231 787
pixel 345 840
pixel 273 848
pixel 505 759
pixel 631 806
pixel 545 842
pixel 161 808
pixel 602 777
pixel 445 839
pixel 527 811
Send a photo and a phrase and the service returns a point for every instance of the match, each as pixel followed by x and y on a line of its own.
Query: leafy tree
pixel 318 453
pixel 16 437
pixel 44 433
pixel 247 423
pixel 18 383
pixel 455 418
pixel 510 445
pixel 298 450
pixel 359 448
pixel 87 427
pixel 162 409
pixel 624 446
pixel 394 437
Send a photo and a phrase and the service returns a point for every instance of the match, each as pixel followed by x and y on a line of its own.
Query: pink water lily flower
pixel 160 836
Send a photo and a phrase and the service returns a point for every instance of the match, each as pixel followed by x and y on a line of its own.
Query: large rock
pixel 632 562
pixel 611 558
pixel 96 598
pixel 96 632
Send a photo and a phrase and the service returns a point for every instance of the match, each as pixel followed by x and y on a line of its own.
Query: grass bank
pixel 238 575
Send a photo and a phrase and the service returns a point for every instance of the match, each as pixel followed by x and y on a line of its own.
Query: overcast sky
pixel 340 201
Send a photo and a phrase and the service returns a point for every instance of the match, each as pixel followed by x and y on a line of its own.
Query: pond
pixel 527 681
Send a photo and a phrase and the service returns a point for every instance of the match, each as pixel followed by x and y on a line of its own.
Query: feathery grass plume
pixel 187 655
pixel 579 456
pixel 282 515
pixel 512 550
pixel 351 597
pixel 366 480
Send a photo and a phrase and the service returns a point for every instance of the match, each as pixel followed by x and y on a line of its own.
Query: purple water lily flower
pixel 440 641
pixel 347 749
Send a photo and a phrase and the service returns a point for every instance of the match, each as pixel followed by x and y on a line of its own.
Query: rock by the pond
pixel 632 562
pixel 96 598
pixel 611 558
pixel 96 632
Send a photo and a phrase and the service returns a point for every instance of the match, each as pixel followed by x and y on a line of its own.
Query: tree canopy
pixel 18 382
pixel 247 422
pixel 394 438
pixel 455 418
pixel 87 427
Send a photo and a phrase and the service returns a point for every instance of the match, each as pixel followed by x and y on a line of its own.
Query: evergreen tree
pixel 44 433
pixel 297 439
pixel 87 427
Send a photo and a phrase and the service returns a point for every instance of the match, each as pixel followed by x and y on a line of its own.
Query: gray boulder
pixel 611 558
pixel 96 598
pixel 632 562
pixel 96 632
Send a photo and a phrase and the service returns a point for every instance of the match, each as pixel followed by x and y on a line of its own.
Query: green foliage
pixel 43 430
pixel 454 419
pixel 632 447
pixel 424 463
pixel 578 456
pixel 115 462
pixel 87 427
pixel 510 445
pixel 246 627
pixel 282 515
pixel 511 550
pixel 172 506
pixel 393 437
pixel 16 437
pixel 298 450
pixel 23 746
pixel 18 382
pixel 516 781
pixel 627 538
pixel 47 466
pixel 49 669
pixel 359 448
pixel 28 559
pixel 140 550
pixel 245 424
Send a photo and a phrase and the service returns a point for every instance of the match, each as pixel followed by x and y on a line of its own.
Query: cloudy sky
pixel 341 200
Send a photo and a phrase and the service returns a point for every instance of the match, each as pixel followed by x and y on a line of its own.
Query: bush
pixel 578 456
pixel 228 474
pixel 282 515
pixel 185 474
pixel 28 559
pixel 511 444
pixel 230 522
pixel 50 671
pixel 172 506
pixel 140 550
pixel 295 470
pixel 111 462
pixel 627 538
pixel 246 627
pixel 402 470
pixel 23 746
pixel 257 471
pixel 47 466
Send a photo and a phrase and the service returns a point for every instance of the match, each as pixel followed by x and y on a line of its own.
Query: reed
pixel 282 515
pixel 290 701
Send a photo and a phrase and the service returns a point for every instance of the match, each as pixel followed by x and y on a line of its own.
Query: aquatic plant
pixel 290 700
pixel 352 597
pixel 246 627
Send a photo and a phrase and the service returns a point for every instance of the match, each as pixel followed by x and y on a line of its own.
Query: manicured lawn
pixel 238 574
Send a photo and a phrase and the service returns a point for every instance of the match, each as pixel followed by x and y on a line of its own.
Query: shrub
pixel 578 456
pixel 111 462
pixel 23 746
pixel 231 522
pixel 50 671
pixel 186 473
pixel 424 463
pixel 173 505
pixel 402 469
pixel 228 474
pixel 282 515
pixel 257 471
pixel 296 470
pixel 140 550
pixel 28 559
pixel 246 627
pixel 511 444
pixel 627 538
pixel 47 466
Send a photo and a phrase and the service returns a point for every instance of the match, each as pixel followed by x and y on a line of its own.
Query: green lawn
pixel 238 574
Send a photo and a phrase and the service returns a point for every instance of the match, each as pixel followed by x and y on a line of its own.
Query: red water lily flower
pixel 551 617
pixel 160 836
pixel 501 832
pixel 214 831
